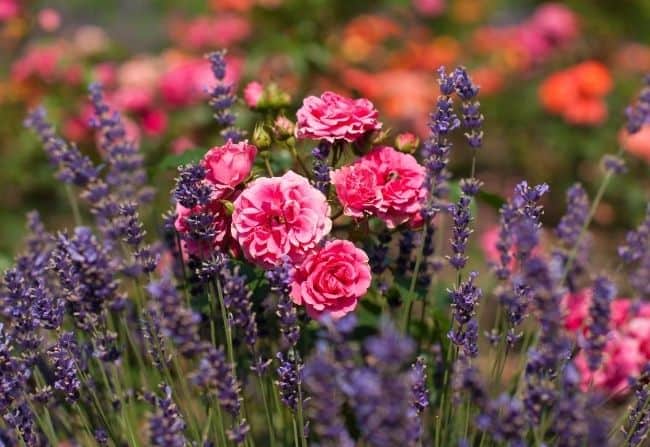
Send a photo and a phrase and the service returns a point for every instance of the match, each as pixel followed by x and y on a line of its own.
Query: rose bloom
pixel 556 22
pixel 628 343
pixel 622 360
pixel 385 183
pixel 227 166
pixel 280 217
pixel 331 279
pixel 332 117
pixel 637 144
pixel 253 93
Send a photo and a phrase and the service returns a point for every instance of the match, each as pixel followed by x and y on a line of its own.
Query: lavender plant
pixel 270 326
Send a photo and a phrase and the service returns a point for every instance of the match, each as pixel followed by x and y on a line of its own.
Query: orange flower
pixel 577 92
pixel 557 92
pixel 587 111
pixel 593 78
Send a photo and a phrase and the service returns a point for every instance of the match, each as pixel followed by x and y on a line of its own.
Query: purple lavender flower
pixel 280 280
pixel 21 420
pixel 321 168
pixel 604 291
pixel 63 357
pixel 87 274
pixel 568 421
pixel 636 250
pixel 638 114
pixel 288 379
pixel 176 320
pixel 505 420
pixel 467 382
pixel 406 246
pixel 389 349
pixel 18 302
pixel 166 425
pixel 570 233
pixel 216 376
pixel 238 302
pixel 125 174
pixel 553 347
pixel 72 166
pixel 461 231
pixel 191 189
pixel 570 226
pixel 222 98
pixel 614 164
pixel 378 252
pixel 321 376
pixel 419 388
pixel 13 374
pixel 464 300
pixel 472 118
pixel 380 394
pixel 436 149
pixel 637 426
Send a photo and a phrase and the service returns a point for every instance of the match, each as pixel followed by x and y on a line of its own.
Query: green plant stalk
pixel 73 204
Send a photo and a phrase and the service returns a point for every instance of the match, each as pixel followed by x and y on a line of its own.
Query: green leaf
pixel 489 198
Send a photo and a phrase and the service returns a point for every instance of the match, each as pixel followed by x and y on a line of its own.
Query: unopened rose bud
pixel 261 138
pixel 283 127
pixel 407 142
pixel 276 98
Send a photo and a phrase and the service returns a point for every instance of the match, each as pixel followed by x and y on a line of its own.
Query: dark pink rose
pixel 229 165
pixel 385 183
pixel 357 189
pixel 333 117
pixel 331 280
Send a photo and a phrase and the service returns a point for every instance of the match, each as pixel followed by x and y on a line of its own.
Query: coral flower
pixel 280 217
pixel 637 144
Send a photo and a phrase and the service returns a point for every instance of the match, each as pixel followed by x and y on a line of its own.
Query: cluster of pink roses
pixel 385 183
pixel 627 350
pixel 285 219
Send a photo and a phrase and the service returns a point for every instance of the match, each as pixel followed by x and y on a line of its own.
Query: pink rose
pixel 331 280
pixel 227 166
pixel 576 307
pixel 430 8
pixel 622 360
pixel 556 22
pixel 385 183
pixel 333 117
pixel 280 216
pixel 628 343
pixel 221 222
pixel 357 189
pixel 253 93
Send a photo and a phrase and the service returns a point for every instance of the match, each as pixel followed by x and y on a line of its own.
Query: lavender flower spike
pixel 638 114
pixel 604 291
pixel 222 98
pixel 166 425
pixel 472 118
